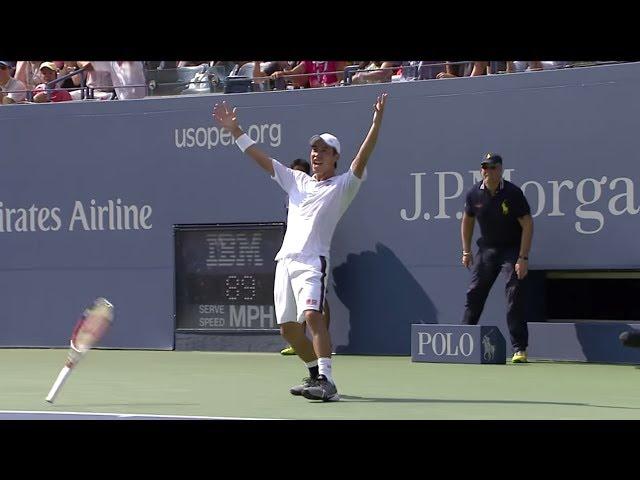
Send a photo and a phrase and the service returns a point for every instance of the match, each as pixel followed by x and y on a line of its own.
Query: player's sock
pixel 325 368
pixel 313 369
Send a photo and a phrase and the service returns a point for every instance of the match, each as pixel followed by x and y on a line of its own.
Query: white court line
pixel 124 415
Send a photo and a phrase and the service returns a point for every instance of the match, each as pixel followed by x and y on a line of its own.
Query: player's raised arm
pixel 228 119
pixel 360 162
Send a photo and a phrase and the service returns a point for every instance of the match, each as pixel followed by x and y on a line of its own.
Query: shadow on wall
pixel 383 300
pixel 601 342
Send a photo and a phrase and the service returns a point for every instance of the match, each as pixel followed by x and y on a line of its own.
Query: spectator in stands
pixel 377 72
pixel 454 70
pixel 193 63
pixel 127 77
pixel 303 166
pixel 506 229
pixel 269 68
pixel 327 73
pixel 556 64
pixel 466 69
pixel 12 90
pixel 28 72
pixel 65 68
pixel 73 84
pixel 527 66
pixel 49 91
pixel 479 68
pixel 280 82
pixel 422 69
pixel 229 68
pixel 430 69
pixel 266 69
pixel 260 68
pixel 408 71
pixel 496 67
pixel 243 69
pixel 98 80
pixel 263 71
pixel 523 66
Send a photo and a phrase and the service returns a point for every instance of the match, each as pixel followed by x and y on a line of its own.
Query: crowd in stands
pixel 60 81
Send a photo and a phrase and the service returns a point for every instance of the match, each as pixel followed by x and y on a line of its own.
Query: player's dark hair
pixel 298 162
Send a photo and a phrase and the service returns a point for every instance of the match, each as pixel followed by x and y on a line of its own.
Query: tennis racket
pixel 91 327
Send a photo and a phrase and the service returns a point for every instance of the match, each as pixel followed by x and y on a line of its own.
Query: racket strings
pixel 90 331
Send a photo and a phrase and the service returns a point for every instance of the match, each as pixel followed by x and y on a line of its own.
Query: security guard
pixel 506 229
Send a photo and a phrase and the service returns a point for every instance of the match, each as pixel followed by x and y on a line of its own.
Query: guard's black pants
pixel 486 267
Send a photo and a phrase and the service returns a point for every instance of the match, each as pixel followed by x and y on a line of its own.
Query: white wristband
pixel 244 141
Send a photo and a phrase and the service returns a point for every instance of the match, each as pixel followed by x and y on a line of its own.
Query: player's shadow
pixel 355 398
pixel 383 300
pixel 602 343
pixel 128 404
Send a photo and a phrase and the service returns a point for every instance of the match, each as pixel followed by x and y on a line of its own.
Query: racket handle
pixel 62 376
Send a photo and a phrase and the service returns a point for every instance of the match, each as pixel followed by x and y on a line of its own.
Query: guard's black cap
pixel 492 159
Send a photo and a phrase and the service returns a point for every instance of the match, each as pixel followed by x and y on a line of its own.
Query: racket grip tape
pixel 62 376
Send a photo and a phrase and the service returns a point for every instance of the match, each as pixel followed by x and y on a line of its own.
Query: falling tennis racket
pixel 91 327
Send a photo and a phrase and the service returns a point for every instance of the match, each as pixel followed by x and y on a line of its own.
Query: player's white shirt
pixel 315 207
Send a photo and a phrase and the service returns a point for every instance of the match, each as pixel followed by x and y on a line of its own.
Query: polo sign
pixel 457 344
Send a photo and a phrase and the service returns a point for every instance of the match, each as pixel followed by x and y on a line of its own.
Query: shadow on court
pixel 354 398
pixel 128 404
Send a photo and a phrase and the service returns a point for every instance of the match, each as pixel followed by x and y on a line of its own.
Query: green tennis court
pixel 255 385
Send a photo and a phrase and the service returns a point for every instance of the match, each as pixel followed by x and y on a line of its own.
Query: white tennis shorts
pixel 300 284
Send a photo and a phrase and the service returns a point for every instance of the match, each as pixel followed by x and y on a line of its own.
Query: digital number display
pixel 224 276
pixel 240 288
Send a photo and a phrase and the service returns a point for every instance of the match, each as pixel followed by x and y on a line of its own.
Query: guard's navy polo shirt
pixel 498 214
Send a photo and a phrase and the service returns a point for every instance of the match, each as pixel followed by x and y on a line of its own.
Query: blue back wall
pixel 570 137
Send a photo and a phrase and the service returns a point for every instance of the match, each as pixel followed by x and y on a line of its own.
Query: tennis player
pixel 303 166
pixel 316 205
